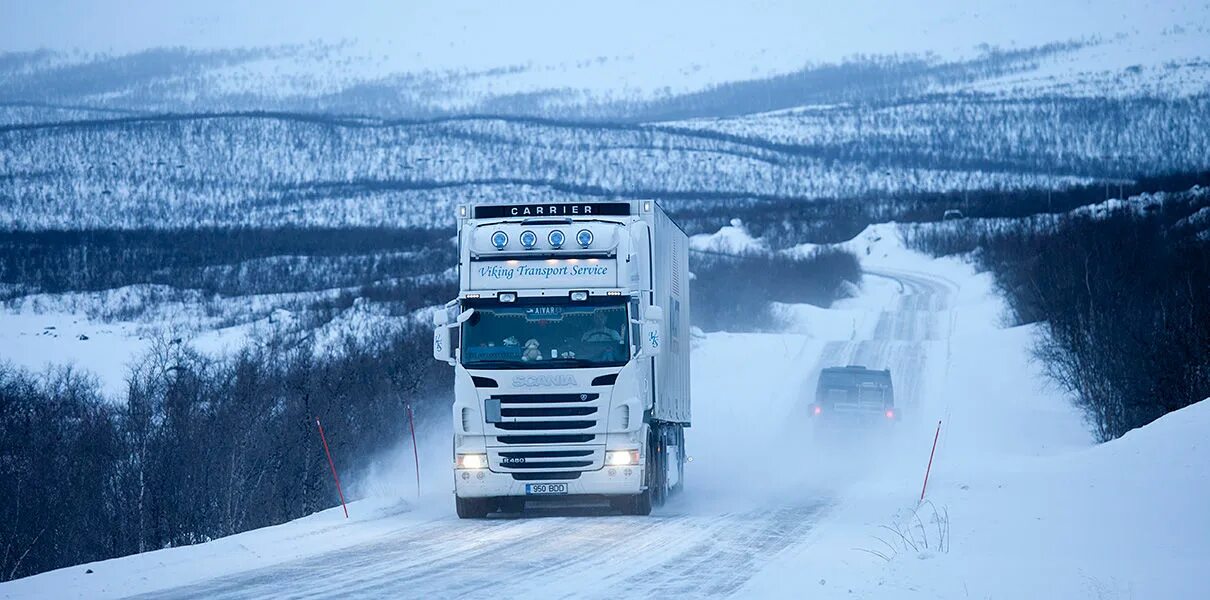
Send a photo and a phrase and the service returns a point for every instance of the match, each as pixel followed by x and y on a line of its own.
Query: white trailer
pixel 570 346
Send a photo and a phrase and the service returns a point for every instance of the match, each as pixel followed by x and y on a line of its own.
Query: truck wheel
pixel 472 508
pixel 639 504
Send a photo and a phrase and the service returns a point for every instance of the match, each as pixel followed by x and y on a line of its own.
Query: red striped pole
pixel 930 467
pixel 336 477
pixel 415 454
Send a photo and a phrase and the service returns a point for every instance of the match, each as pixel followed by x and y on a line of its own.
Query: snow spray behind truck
pixel 570 346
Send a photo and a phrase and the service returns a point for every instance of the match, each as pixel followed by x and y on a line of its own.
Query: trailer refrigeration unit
pixel 570 346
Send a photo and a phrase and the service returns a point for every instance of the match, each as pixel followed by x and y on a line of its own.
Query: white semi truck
pixel 570 346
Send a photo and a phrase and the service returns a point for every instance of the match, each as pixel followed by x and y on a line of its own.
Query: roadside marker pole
pixel 930 467
pixel 336 477
pixel 415 454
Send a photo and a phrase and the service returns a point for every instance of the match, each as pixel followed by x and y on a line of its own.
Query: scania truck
pixel 569 340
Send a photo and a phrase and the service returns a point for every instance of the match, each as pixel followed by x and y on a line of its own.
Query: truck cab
pixel 569 343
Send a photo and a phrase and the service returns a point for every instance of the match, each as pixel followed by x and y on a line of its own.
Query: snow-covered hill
pixel 544 57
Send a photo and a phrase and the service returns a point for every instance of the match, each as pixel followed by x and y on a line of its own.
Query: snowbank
pixel 1125 519
pixel 151 571
pixel 730 239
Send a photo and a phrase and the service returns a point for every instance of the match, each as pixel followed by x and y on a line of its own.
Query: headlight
pixel 471 461
pixel 622 458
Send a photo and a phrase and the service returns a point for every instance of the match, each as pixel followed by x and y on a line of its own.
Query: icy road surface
pixel 748 501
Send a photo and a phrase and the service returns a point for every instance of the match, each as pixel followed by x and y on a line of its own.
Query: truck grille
pixel 537 459
pixel 545 439
pixel 544 398
pixel 552 411
pixel 541 419
pixel 547 436
pixel 545 425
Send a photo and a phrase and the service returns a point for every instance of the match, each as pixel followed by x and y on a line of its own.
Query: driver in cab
pixel 602 337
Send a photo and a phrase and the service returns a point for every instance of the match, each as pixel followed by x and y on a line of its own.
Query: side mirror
pixel 443 344
pixel 652 339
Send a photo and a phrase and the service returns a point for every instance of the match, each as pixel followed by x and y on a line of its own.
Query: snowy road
pixel 552 554
pixel 904 335
pixel 690 547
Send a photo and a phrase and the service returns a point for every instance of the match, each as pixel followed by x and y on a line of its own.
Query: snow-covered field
pixel 45 331
pixel 1020 503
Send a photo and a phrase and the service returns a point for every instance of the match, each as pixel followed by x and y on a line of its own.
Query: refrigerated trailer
pixel 569 340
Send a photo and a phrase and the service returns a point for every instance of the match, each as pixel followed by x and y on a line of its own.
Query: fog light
pixel 579 296
pixel 584 237
pixel 528 239
pixel 479 475
pixel 507 296
pixel 818 409
pixel 627 472
pixel 621 458
pixel 613 472
pixel 465 475
pixel 499 240
pixel 471 461
pixel 890 414
pixel 556 238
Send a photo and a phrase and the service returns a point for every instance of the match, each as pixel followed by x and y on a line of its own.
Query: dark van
pixel 854 393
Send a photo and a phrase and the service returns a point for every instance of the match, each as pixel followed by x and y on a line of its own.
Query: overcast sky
pixel 687 43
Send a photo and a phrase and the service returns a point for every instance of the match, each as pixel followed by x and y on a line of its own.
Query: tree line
pixel 734 292
pixel 225 261
pixel 199 447
pixel 1121 295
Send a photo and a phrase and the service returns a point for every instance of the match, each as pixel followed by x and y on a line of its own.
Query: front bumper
pixel 606 481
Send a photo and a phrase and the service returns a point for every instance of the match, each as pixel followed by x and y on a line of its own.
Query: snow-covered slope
pixel 1020 503
pixel 454 54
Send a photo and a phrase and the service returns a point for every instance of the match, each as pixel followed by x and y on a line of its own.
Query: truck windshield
pixel 546 336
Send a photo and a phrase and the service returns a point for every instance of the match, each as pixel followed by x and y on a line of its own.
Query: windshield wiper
pixel 576 362
pixel 494 364
pixel 546 363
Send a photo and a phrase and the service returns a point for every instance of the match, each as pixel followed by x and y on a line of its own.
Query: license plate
pixel 545 489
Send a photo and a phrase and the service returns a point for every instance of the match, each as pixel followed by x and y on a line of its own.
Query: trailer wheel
pixel 680 460
pixel 659 480
pixel 472 508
